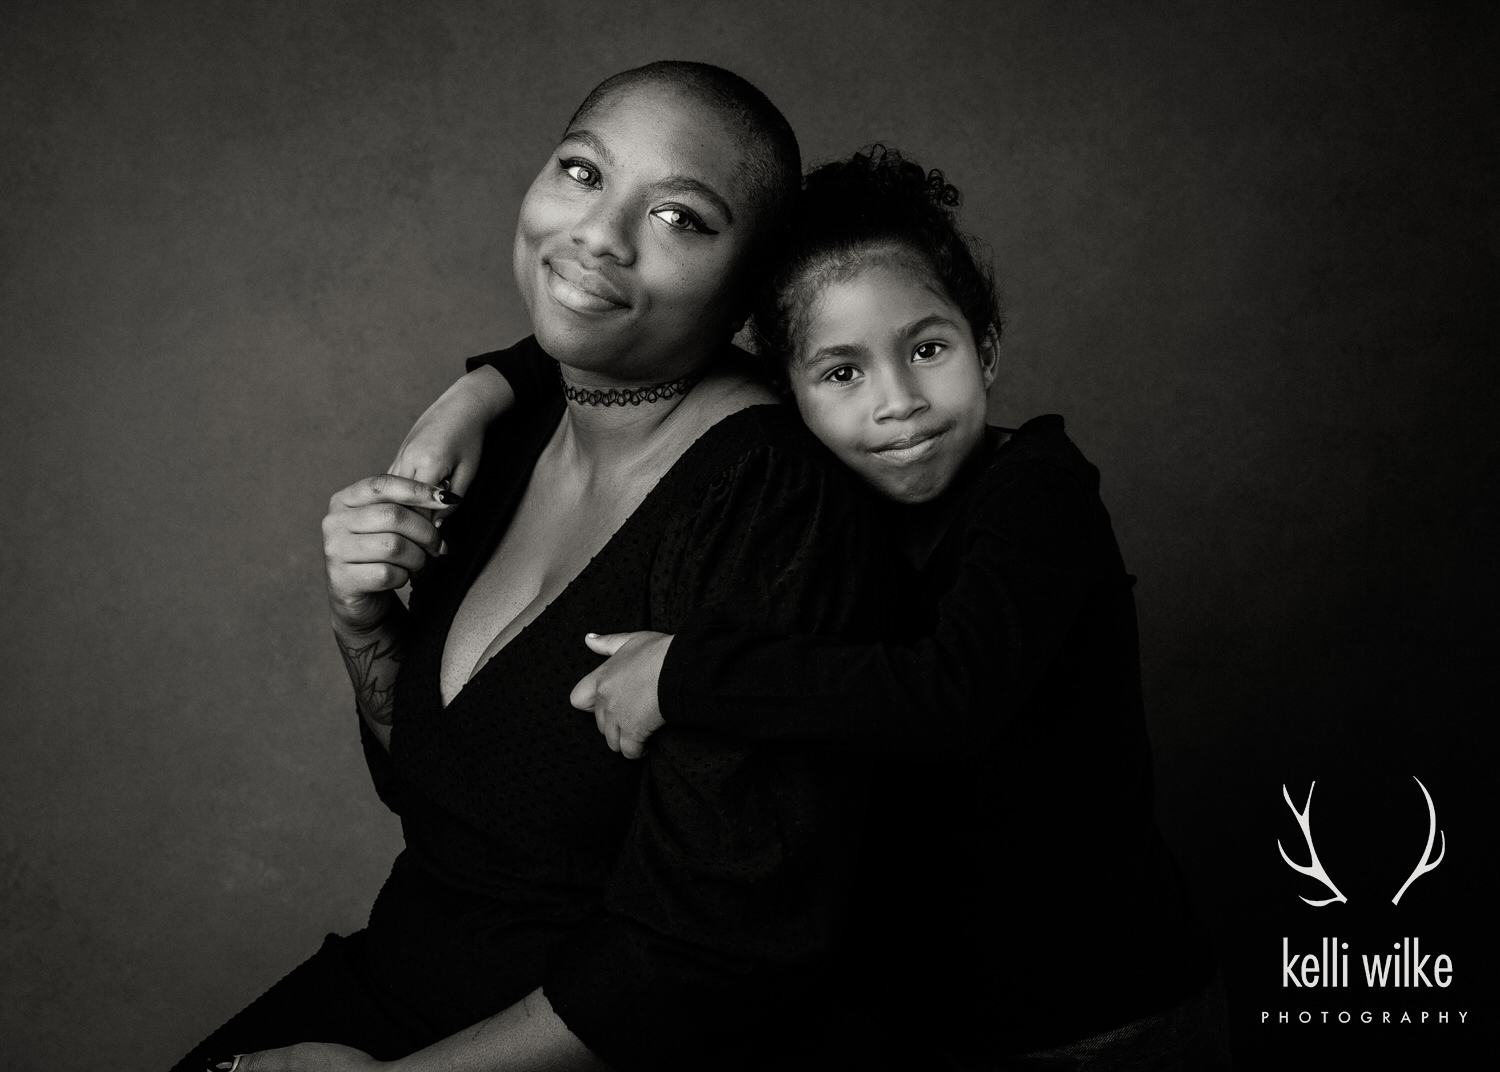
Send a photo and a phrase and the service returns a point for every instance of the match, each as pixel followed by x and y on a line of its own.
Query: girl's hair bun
pixel 878 173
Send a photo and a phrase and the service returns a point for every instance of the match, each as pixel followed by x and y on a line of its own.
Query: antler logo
pixel 1423 866
pixel 1314 868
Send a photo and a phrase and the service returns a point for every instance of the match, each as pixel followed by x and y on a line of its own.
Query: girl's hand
pixel 447 440
pixel 376 535
pixel 304 1057
pixel 622 690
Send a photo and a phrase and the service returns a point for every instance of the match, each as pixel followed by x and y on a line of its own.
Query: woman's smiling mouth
pixel 575 287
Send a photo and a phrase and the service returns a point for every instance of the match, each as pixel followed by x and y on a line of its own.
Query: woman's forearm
pixel 377 533
pixel 373 657
pixel 525 1037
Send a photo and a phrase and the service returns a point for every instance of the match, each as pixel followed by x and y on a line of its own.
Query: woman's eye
pixel 581 173
pixel 680 219
pixel 842 374
pixel 928 350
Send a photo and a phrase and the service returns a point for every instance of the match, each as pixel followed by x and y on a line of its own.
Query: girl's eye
pixel 842 374
pixel 580 172
pixel 928 350
pixel 680 219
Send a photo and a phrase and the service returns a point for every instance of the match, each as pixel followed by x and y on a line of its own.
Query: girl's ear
pixel 989 355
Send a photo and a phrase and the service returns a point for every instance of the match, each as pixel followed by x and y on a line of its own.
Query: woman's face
pixel 890 377
pixel 630 239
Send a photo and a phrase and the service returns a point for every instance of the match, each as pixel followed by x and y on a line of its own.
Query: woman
pixel 605 913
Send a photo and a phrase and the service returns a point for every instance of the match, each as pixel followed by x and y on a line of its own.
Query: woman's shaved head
pixel 772 162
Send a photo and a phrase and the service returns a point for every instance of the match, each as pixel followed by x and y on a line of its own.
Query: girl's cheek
pixel 839 430
pixel 815 417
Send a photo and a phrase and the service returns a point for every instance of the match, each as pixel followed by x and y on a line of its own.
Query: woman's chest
pixel 560 527
pixel 507 753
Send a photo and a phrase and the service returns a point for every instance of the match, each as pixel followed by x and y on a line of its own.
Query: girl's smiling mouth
pixel 909 448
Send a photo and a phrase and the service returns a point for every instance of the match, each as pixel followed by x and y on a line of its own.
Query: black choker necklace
pixel 627 396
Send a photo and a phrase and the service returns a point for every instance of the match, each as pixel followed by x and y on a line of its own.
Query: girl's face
pixel 630 239
pixel 890 377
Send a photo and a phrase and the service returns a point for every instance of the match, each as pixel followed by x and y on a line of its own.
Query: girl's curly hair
pixel 876 203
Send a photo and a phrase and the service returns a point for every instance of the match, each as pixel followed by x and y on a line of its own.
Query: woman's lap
pixel 328 998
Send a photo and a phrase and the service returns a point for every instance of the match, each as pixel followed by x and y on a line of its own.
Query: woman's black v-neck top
pixel 670 908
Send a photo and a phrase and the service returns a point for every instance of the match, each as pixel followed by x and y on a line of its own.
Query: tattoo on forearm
pixel 373 693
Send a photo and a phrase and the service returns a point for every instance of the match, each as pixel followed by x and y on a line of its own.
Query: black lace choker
pixel 627 396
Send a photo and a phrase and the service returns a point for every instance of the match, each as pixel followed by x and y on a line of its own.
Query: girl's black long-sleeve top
pixel 1013 868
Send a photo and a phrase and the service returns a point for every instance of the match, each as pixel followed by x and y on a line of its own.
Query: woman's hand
pixel 304 1057
pixel 447 440
pixel 621 691
pixel 377 533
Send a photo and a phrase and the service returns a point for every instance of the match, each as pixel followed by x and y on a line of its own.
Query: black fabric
pixel 1015 880
pixel 674 910
pixel 327 998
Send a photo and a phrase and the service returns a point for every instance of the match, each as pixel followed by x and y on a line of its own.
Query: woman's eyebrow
pixel 682 184
pixel 672 184
pixel 593 141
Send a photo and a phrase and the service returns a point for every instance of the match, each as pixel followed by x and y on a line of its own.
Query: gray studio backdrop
pixel 1247 249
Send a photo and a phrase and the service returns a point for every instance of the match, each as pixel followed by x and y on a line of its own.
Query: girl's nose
pixel 604 230
pixel 900 398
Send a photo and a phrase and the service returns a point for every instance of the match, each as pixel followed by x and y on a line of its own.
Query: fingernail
pixel 446 497
pixel 229 1064
pixel 444 483
pixel 442 547
pixel 437 522
pixel 592 636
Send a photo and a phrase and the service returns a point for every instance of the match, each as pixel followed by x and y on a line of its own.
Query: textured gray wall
pixel 1248 249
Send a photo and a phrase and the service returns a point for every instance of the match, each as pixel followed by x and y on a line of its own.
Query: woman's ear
pixel 989 355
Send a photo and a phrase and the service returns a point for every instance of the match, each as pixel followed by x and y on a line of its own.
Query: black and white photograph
pixel 593 535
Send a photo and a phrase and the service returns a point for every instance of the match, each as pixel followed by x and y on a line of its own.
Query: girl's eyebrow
pixel 926 323
pixel 672 184
pixel 838 351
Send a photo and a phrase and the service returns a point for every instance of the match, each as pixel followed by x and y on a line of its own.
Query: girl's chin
pixel 912 489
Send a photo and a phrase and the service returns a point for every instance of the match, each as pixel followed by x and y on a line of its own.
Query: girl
pixel 1018 902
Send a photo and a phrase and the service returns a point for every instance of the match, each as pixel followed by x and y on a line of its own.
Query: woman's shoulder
pixel 764 437
pixel 758 516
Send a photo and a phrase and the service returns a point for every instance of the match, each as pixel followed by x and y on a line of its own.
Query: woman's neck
pixel 607 438
pixel 607 420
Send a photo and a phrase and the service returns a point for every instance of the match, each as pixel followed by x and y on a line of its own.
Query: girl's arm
pixel 621 691
pixel 446 442
pixel 1039 586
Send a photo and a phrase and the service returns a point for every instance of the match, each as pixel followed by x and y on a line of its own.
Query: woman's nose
pixel 900 398
pixel 604 230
